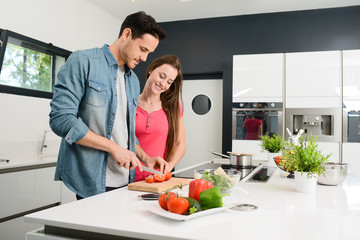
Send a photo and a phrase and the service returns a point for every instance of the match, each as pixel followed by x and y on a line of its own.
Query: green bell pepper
pixel 211 198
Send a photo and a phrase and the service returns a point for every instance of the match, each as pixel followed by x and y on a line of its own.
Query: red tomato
pixel 168 176
pixel 150 179
pixel 163 198
pixel 159 178
pixel 178 205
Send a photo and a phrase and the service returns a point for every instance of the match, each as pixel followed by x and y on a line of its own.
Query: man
pixel 93 110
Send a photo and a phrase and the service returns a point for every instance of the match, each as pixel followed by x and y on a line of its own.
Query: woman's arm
pixel 180 147
pixel 151 162
pixel 260 129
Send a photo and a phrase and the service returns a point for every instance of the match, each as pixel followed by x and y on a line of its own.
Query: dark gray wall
pixel 207 45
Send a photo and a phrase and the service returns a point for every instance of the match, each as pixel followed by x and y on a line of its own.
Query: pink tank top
pixel 151 130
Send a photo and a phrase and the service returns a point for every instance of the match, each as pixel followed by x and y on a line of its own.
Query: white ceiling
pixel 174 10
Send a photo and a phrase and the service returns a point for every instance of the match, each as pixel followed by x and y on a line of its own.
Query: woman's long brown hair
pixel 170 100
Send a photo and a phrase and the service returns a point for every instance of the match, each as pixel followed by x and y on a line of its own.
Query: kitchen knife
pixel 152 170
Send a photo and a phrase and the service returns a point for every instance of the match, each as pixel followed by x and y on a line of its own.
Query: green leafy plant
pixel 305 157
pixel 273 144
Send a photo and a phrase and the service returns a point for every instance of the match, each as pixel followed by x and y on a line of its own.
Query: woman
pixel 253 126
pixel 159 116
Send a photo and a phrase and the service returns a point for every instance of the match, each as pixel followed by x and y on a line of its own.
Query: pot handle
pixel 220 155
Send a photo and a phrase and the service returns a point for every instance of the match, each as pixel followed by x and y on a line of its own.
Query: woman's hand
pixel 157 163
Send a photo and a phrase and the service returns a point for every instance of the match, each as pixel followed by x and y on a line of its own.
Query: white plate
pixel 155 208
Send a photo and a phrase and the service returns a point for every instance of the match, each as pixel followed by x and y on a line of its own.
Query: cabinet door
pixel 313 78
pixel 28 190
pixel 351 95
pixel 350 155
pixel 351 74
pixel 258 77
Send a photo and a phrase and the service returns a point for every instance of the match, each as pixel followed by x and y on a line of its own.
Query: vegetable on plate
pixel 197 186
pixel 163 199
pixel 211 198
pixel 178 205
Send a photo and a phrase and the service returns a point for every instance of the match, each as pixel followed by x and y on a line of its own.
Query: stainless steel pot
pixel 238 159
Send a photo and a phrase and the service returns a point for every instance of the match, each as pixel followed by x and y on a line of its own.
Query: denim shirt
pixel 85 98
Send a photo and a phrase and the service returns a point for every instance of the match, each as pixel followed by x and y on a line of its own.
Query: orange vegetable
pixel 150 179
pixel 163 198
pixel 178 205
pixel 159 178
pixel 168 176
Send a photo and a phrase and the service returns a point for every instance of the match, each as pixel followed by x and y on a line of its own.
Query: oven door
pixel 249 121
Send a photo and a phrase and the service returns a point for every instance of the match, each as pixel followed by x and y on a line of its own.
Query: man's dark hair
pixel 140 23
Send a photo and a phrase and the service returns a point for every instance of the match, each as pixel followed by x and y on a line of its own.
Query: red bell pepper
pixel 197 186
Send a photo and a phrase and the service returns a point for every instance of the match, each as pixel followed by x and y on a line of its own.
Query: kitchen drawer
pixel 16 229
pixel 27 190
pixel 39 234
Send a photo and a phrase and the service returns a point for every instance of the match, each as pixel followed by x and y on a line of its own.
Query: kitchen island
pixel 333 212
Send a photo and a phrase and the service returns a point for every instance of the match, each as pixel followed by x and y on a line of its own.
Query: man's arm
pixel 122 156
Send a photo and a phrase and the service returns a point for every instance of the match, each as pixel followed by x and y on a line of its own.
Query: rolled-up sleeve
pixel 68 93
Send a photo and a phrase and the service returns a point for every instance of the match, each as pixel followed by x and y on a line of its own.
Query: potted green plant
pixel 307 162
pixel 273 145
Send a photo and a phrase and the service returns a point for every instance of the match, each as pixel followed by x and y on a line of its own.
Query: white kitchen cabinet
pixel 258 77
pixel 350 155
pixel 27 190
pixel 351 74
pixel 313 79
pixel 16 229
pixel 24 190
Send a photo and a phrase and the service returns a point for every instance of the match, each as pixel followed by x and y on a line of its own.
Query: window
pixel 27 66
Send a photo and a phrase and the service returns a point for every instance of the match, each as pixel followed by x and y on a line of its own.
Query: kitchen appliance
pixel 351 122
pixel 269 113
pixel 262 174
pixel 243 160
pixel 322 123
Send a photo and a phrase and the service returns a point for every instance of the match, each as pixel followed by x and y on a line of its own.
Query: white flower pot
pixel 305 184
pixel 270 158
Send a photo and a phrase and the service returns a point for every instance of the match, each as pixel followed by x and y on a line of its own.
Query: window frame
pixel 36 45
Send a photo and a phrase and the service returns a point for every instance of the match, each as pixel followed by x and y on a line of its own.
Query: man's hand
pixel 122 156
pixel 125 158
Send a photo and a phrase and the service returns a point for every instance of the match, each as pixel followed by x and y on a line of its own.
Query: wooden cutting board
pixel 158 187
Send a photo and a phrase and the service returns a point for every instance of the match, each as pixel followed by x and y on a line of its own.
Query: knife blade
pixel 152 170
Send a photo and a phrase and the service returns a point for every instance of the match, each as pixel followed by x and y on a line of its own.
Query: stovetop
pixel 262 175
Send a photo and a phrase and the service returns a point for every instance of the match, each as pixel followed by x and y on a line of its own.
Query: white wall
pixel 69 24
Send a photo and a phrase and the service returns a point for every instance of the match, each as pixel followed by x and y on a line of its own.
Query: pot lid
pixel 239 154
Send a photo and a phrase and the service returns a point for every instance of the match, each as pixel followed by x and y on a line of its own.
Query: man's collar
pixel 111 59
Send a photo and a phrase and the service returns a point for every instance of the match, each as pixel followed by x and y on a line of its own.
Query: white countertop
pixel 333 212
pixel 26 161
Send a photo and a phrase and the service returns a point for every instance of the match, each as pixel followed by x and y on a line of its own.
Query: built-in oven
pixel 252 119
pixel 351 121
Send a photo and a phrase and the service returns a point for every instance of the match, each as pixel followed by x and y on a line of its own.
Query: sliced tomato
pixel 163 198
pixel 150 179
pixel 168 176
pixel 159 178
pixel 178 205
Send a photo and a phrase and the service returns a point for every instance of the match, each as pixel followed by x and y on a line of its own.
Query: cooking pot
pixel 242 160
